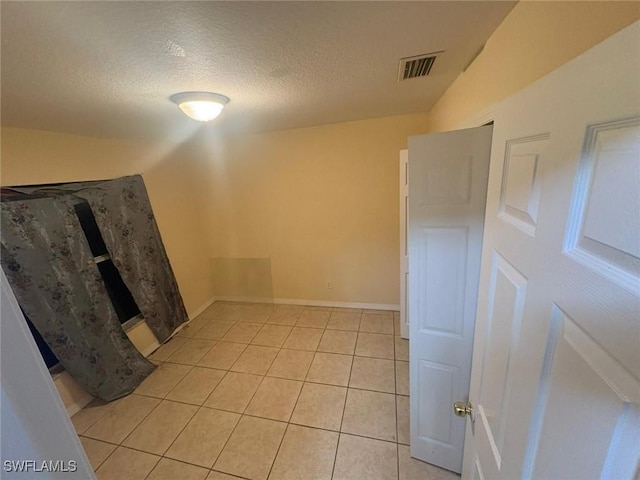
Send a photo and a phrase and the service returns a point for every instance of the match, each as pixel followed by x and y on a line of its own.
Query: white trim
pixel 78 405
pixel 480 118
pixel 202 308
pixel 312 303
pixel 150 349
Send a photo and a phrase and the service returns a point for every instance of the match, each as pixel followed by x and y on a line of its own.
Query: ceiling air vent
pixel 415 67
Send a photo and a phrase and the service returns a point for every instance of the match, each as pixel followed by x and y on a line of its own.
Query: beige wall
pixel 30 157
pixel 533 40
pixel 321 203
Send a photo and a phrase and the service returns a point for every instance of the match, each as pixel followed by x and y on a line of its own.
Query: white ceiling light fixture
pixel 201 106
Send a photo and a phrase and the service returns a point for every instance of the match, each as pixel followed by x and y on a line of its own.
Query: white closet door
pixel 447 193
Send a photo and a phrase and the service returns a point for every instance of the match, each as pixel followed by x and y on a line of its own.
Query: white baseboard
pixel 312 303
pixel 79 405
pixel 150 349
pixel 193 315
pixel 73 396
pixel 201 308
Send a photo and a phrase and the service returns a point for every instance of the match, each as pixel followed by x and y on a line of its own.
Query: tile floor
pixel 265 392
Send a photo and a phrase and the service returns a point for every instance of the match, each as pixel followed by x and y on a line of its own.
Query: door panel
pixel 404 244
pixel 447 192
pixel 556 370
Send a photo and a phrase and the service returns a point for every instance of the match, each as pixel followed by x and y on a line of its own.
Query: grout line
pixel 344 405
pixel 231 434
pixel 335 457
pixel 286 429
pixel 395 404
pixel 288 422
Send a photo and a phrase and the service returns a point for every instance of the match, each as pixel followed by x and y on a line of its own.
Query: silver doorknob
pixel 462 409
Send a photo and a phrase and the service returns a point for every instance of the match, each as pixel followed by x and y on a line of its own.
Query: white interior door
pixel 447 193
pixel 556 360
pixel 404 245
pixel 37 438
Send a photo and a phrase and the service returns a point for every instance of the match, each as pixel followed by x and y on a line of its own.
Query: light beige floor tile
pixel 370 414
pixel 330 368
pixel 214 330
pixel 291 364
pixel 229 312
pixel 373 374
pixel 191 351
pixel 196 386
pixel 385 313
pixel 396 323
pixel 161 427
pixel 211 313
pixel 167 349
pixel 320 406
pixel 274 399
pixel 373 323
pixel 96 451
pixel 318 308
pixel 271 336
pixel 375 345
pixel 412 469
pixel 314 318
pixel 346 310
pixel 242 332
pixel 234 392
pixel 305 453
pixel 167 469
pixel 204 437
pixel 255 359
pixel 303 339
pixel 341 320
pixel 120 420
pixel 90 414
pixel 286 315
pixel 163 379
pixel 127 463
pixel 402 378
pixel 366 459
pixel 222 355
pixel 402 415
pixel 336 341
pixel 258 313
pixel 402 349
pixel 213 475
pixel 252 448
pixel 194 326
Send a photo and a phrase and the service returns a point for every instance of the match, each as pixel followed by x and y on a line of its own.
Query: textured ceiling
pixel 108 68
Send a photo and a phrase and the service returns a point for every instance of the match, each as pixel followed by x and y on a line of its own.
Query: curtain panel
pixel 125 219
pixel 51 269
pixel 123 212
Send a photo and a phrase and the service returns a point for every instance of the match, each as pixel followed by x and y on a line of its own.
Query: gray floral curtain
pixel 51 269
pixel 124 216
pixel 125 219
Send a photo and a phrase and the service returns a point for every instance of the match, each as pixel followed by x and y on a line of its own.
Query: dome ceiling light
pixel 201 106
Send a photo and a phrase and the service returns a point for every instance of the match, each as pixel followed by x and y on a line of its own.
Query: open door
pixel 447 194
pixel 555 390
pixel 404 245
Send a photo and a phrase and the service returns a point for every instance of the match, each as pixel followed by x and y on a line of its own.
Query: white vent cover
pixel 418 66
